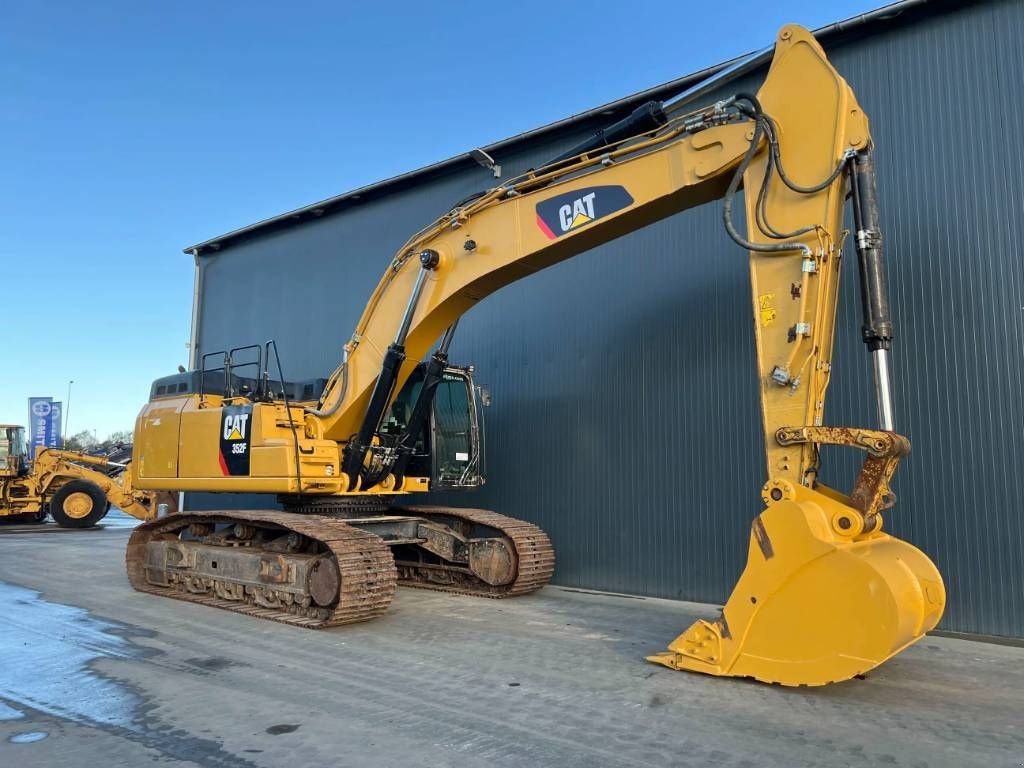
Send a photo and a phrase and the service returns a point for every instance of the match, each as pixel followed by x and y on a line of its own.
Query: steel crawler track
pixel 534 552
pixel 368 571
pixel 365 565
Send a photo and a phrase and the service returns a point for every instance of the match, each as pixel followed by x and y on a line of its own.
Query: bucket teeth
pixel 700 644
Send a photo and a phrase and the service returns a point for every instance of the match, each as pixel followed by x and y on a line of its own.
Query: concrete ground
pixel 92 673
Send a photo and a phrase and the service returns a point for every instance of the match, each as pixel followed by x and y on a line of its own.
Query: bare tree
pixel 82 441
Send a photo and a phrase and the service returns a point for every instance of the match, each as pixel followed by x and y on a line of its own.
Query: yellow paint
pixel 31 492
pixel 766 309
pixel 821 609
pixel 78 505
pixel 580 220
pixel 824 606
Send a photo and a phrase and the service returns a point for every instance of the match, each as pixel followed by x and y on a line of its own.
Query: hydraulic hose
pixel 343 388
pixel 761 207
pixel 734 185
pixel 782 173
pixel 774 163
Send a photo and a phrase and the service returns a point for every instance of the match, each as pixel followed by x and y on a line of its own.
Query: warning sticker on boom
pixel 235 433
pixel 766 309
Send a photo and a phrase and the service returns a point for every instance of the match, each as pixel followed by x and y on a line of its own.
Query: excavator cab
pixel 13 451
pixel 450 447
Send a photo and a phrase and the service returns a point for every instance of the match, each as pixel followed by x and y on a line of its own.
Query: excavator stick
pixel 825 595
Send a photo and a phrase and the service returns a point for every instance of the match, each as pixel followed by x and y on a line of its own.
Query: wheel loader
pixel 826 594
pixel 75 489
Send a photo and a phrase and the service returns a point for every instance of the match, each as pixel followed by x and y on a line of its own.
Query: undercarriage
pixel 333 561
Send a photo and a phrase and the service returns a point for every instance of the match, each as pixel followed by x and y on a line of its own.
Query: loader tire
pixel 78 504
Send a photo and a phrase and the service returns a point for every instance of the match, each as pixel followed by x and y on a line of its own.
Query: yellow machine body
pixel 826 595
pixel 176 449
pixel 72 487
pixel 813 606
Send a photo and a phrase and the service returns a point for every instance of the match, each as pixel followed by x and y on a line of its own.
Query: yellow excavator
pixel 826 594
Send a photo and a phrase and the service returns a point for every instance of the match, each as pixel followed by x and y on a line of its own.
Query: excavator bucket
pixel 814 606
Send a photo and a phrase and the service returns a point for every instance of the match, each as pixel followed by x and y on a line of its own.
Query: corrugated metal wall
pixel 625 406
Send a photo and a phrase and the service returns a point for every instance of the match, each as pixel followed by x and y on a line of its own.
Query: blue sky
pixel 129 130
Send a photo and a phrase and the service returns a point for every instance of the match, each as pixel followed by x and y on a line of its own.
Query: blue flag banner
pixel 39 413
pixel 53 436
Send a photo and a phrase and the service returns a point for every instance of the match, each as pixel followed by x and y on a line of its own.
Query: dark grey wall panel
pixel 625 419
pixel 953 197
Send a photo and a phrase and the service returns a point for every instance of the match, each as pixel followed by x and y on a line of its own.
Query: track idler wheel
pixel 324 581
pixel 815 605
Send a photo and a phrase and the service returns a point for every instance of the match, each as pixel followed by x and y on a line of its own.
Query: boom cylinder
pixel 644 118
pixel 421 410
pixel 394 357
pixel 877 329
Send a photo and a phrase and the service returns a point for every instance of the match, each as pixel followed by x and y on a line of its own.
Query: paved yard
pixel 92 673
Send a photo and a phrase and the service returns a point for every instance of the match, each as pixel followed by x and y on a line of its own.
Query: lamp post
pixel 67 411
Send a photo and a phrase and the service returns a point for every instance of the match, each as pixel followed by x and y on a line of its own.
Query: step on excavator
pixel 826 594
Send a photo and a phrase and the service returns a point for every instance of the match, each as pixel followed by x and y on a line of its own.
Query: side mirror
pixel 485 397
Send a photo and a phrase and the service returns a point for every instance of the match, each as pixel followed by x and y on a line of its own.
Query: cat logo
pixel 235 430
pixel 569 211
pixel 579 213
pixel 234 426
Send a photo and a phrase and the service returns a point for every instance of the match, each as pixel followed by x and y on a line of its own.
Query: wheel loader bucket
pixel 812 606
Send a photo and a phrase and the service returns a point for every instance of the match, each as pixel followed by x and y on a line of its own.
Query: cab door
pixel 456 431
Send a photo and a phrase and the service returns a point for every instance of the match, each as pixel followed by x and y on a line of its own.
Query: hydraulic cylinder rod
pixel 652 115
pixel 726 75
pixel 874 295
pixel 355 452
pixel 646 117
pixel 421 410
